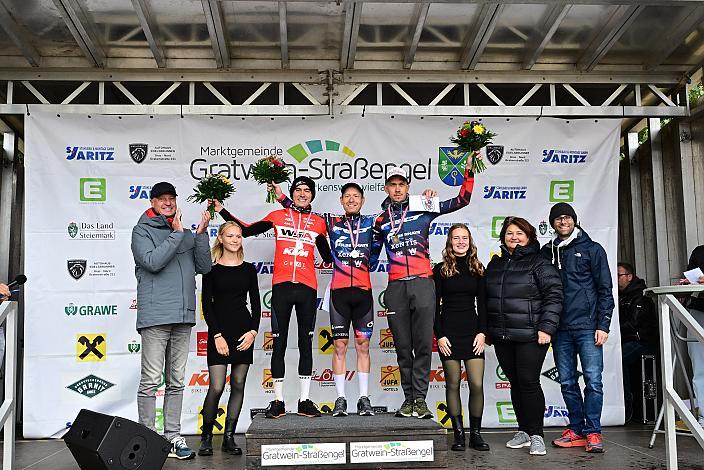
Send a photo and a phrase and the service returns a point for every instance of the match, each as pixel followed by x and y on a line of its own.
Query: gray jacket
pixel 166 263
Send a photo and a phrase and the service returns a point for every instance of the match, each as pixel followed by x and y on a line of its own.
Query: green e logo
pixel 562 191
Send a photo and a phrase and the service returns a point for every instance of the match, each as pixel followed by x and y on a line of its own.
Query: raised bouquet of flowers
pixel 270 170
pixel 212 187
pixel 471 137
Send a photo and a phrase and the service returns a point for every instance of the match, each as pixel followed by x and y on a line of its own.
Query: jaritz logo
pixel 442 413
pixel 76 267
pixel 91 347
pixel 562 191
pixel 90 386
pixel 140 191
pixel 386 340
pixel 497 222
pixel 451 163
pixel 133 347
pixel 552 411
pixel 99 153
pixel 494 153
pixel 138 152
pixel 267 381
pixel 92 189
pixel 90 310
pixel 505 192
pixel 268 344
pixel 390 378
pixel 504 409
pixel 564 156
pixel 218 424
pixel 325 341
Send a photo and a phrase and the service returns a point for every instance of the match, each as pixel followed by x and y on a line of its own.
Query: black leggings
pixel 522 362
pixel 284 297
pixel 475 378
pixel 218 374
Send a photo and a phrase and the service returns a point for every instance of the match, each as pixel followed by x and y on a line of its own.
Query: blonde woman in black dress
pixel 231 332
pixel 460 327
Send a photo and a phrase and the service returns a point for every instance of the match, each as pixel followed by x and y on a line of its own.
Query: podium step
pixel 381 441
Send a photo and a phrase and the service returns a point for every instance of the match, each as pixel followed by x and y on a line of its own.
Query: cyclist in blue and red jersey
pixel 410 294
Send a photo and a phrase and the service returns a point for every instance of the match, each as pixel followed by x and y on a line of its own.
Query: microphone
pixel 18 281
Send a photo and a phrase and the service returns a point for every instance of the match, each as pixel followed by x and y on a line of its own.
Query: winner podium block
pixel 381 441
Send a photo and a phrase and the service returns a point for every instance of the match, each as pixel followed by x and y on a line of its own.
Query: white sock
pixel 305 386
pixel 363 383
pixel 279 389
pixel 340 384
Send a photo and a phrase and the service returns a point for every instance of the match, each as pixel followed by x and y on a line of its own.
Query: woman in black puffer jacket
pixel 524 301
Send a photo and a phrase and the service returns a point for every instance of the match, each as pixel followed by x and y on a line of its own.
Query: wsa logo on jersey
pixel 99 153
pixel 564 156
pixel 451 162
pixel 505 192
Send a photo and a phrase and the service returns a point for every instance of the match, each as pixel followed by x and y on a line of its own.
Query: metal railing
pixel 8 314
pixel 667 305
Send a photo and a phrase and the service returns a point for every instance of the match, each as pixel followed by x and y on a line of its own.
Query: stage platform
pixel 626 448
pixel 346 442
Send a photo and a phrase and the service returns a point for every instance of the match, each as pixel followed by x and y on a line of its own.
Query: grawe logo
pixel 497 222
pixel 202 343
pixel 503 382
pixel 451 163
pixel 267 381
pixel 90 386
pixel 139 191
pixel 505 192
pixel 325 341
pixel 92 189
pixel 562 191
pixel 91 347
pixel 386 340
pixel 505 411
pixel 133 347
pixel 390 378
pixel 327 379
pixel 90 310
pixel 564 156
pixel 98 153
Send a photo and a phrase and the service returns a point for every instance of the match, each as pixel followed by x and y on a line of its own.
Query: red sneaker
pixel 594 443
pixel 570 439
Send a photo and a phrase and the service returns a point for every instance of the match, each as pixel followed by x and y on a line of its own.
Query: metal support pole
pixel 661 237
pixel 689 189
pixel 667 375
pixel 636 205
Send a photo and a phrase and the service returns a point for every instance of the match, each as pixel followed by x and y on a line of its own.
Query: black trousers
pixel 522 363
pixel 284 297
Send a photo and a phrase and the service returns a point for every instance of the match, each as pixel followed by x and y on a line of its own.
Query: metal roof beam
pixel 664 47
pixel 150 29
pixel 19 36
pixel 477 40
pixel 544 34
pixel 350 34
pixel 283 35
pixel 82 30
pixel 216 29
pixel 419 17
pixel 617 24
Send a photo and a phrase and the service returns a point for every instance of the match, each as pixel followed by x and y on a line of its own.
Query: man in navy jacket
pixel 584 325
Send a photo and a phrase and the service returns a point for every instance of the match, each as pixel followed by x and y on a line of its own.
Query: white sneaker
pixel 179 449
pixel 537 445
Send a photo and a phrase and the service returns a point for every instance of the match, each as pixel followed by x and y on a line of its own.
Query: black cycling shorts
pixel 351 305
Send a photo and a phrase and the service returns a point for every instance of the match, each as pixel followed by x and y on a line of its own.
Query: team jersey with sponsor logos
pixel 352 251
pixel 405 233
pixel 297 234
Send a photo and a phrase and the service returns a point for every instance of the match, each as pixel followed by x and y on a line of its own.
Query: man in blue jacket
pixel 584 325
pixel 167 258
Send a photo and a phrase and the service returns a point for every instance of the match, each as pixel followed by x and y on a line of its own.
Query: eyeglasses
pixel 564 218
pixel 623 274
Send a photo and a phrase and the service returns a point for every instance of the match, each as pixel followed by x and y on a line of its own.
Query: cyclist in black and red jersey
pixel 410 294
pixel 298 231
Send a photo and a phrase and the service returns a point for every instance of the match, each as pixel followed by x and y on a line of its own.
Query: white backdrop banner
pixel 88 181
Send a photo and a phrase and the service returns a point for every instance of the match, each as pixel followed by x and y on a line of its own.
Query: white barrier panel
pixel 85 191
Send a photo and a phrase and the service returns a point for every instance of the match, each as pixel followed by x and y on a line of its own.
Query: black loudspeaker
pixel 103 442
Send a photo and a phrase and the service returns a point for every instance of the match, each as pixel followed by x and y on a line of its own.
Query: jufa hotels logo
pixel 91 347
pixel 267 381
pixel 300 152
pixel 451 163
pixel 390 378
pixel 92 189
pixel 325 341
pixel 268 341
pixel 562 191
pixel 90 386
pixel 386 340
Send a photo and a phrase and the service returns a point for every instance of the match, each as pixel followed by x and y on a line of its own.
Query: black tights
pixel 475 378
pixel 218 374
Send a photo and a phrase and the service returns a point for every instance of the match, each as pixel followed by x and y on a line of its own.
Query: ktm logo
pixel 438 375
pixel 91 347
pixel 218 424
pixel 293 251
pixel 386 339
pixel 267 380
pixel 268 341
pixel 202 379
pixel 390 377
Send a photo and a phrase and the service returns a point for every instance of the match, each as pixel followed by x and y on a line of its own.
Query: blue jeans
pixel 585 414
